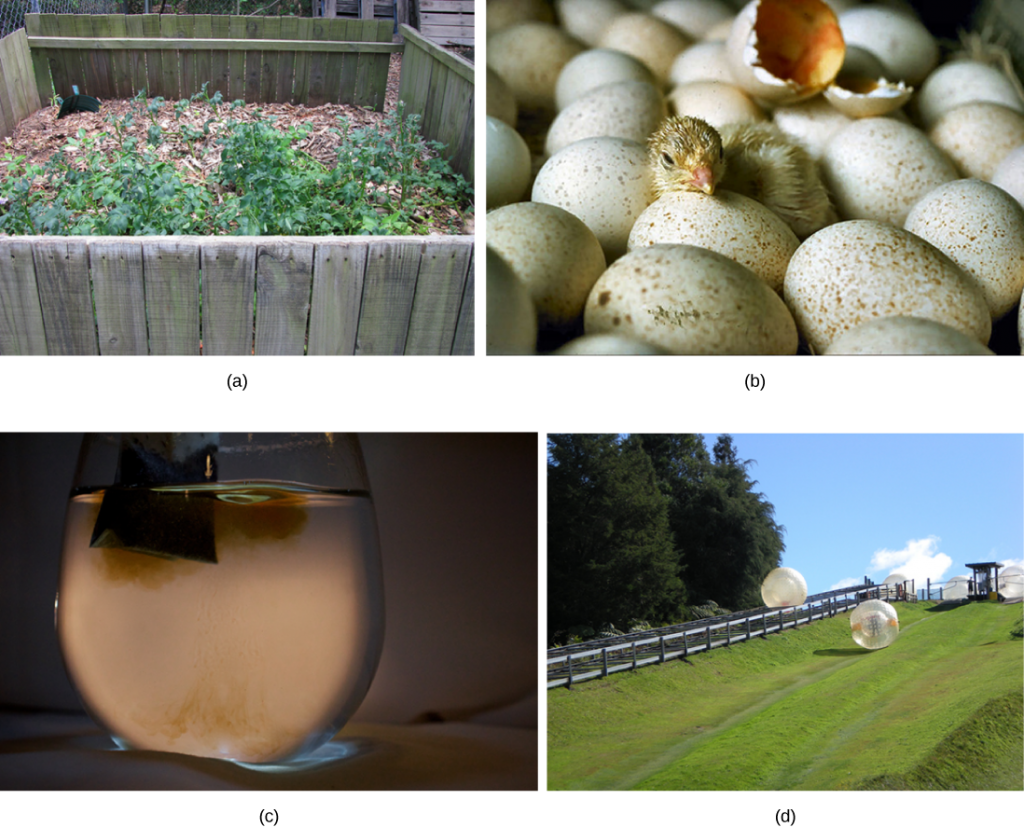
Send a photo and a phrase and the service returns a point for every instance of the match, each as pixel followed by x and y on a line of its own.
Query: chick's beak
pixel 703 179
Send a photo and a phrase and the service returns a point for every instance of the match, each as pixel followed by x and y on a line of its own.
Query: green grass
pixel 808 709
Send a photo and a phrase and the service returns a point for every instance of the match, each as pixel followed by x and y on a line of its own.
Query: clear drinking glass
pixel 221 594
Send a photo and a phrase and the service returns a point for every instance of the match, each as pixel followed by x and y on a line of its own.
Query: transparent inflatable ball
pixel 874 624
pixel 784 587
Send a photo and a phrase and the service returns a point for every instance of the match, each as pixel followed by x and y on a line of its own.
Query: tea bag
pixel 140 514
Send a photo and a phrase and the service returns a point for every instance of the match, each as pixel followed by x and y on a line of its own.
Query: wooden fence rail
pixel 19 96
pixel 583 661
pixel 308 61
pixel 236 296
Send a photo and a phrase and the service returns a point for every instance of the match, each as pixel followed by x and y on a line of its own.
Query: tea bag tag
pixel 137 515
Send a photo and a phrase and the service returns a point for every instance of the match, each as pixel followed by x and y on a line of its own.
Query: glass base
pixel 331 752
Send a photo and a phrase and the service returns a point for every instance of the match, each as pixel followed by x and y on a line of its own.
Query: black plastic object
pixel 78 103
pixel 150 508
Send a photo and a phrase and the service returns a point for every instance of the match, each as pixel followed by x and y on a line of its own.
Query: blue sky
pixel 922 504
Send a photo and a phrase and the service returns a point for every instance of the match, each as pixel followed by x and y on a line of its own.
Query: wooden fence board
pixel 112 295
pixel 9 105
pixel 229 284
pixel 171 270
pixel 116 268
pixel 21 320
pixel 99 53
pixel 16 79
pixel 284 274
pixel 62 276
pixel 40 62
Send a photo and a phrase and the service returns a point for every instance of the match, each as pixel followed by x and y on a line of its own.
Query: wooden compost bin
pixel 225 295
pixel 438 85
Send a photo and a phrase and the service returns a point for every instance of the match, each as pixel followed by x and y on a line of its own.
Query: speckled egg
pixel 529 57
pixel 714 102
pixel 1009 175
pixel 702 61
pixel 735 226
pixel 652 41
pixel 854 271
pixel 688 300
pixel 511 317
pixel 586 19
pixel 981 228
pixel 504 13
pixel 693 17
pixel 607 344
pixel 501 103
pixel 506 166
pixel 878 168
pixel 605 182
pixel 552 252
pixel 960 82
pixel 977 136
pixel 594 68
pixel 631 109
pixel 907 49
pixel 905 335
pixel 811 123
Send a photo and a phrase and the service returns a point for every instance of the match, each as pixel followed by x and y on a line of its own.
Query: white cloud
pixel 919 560
pixel 1012 562
pixel 846 581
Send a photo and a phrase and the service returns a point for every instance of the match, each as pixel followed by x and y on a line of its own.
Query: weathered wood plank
pixel 62 276
pixel 120 297
pixel 154 57
pixel 228 44
pixel 22 332
pixel 171 270
pixel 338 271
pixel 271 61
pixel 315 93
pixel 137 79
pixel 379 72
pixel 253 60
pixel 92 80
pixel 65 65
pixel 120 72
pixel 10 105
pixel 388 290
pixel 40 64
pixel 170 67
pixel 300 87
pixel 439 291
pixel 203 27
pixel 284 274
pixel 229 284
pixel 185 27
pixel 236 59
pixel 340 74
pixel 465 331
pixel 220 74
pixel 434 102
pixel 284 80
pixel 455 126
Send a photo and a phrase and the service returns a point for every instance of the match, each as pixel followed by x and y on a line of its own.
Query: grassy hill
pixel 808 709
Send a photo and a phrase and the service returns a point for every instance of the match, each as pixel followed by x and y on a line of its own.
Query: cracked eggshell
pixel 552 252
pixel 783 51
pixel 868 98
pixel 688 300
pixel 854 271
pixel 878 168
pixel 738 227
pixel 586 19
pixel 714 102
pixel 605 182
pixel 981 228
pixel 905 335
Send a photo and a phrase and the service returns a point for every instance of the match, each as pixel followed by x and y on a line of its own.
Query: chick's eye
pixel 666 159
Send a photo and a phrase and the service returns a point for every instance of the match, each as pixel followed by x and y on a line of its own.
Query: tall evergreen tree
pixel 611 558
pixel 727 534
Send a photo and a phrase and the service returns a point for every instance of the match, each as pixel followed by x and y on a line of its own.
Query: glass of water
pixel 221 595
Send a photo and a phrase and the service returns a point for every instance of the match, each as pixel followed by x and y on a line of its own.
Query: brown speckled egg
pixel 702 61
pixel 604 182
pixel 715 102
pixel 552 252
pixel 735 226
pixel 981 228
pixel 694 17
pixel 607 344
pixel 854 271
pixel 1009 175
pixel 586 19
pixel 688 300
pixel 653 42
pixel 631 109
pixel 878 168
pixel 906 335
pixel 963 81
pixel 595 68
pixel 811 123
pixel 977 136
pixel 511 316
pixel 529 57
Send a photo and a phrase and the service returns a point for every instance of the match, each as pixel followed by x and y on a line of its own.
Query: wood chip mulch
pixel 40 135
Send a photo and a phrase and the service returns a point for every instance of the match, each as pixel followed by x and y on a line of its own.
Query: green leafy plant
pixel 385 181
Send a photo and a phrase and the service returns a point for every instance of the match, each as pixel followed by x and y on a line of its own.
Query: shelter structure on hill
pixel 984 584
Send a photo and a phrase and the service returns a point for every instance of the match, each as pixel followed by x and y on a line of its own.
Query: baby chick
pixel 752 159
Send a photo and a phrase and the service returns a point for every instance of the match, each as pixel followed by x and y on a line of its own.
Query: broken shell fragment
pixel 783 51
pixel 867 97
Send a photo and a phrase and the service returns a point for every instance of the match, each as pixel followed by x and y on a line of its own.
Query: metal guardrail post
pixel 634 654
pixel 748 628
pixel 686 650
pixel 708 627
pixel 604 663
pixel 568 661
pixel 662 639
pixel 728 633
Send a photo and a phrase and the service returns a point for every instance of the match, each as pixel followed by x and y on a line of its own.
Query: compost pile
pixel 208 166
